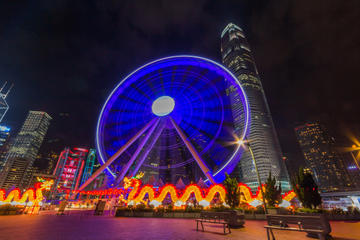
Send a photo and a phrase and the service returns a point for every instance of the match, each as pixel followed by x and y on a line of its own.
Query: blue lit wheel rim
pixel 199 88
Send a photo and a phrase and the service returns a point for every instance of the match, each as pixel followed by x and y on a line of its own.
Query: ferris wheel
pixel 180 108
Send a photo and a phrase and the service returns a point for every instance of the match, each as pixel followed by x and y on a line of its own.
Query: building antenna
pixel 3 86
pixel 8 90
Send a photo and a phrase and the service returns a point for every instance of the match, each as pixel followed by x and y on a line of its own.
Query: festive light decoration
pixel 32 198
pixel 203 196
pixel 150 195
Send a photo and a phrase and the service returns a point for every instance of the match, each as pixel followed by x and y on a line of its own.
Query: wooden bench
pixel 315 226
pixel 62 206
pixel 100 207
pixel 214 218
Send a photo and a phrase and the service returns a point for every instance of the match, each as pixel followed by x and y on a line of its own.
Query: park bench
pixel 100 207
pixel 62 207
pixel 315 226
pixel 221 218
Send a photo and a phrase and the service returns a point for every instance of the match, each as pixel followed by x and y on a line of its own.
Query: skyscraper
pixel 4 107
pixel 4 144
pixel 237 57
pixel 23 150
pixel 327 166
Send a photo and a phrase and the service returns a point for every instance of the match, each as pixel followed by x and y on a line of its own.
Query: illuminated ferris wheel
pixel 179 108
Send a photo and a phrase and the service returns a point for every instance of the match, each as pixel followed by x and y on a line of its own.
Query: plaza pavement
pixel 50 227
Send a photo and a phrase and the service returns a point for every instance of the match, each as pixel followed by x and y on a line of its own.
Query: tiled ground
pixel 43 227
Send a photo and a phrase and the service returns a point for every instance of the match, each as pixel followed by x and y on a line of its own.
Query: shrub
pixel 8 207
pixel 260 210
pixel 306 189
pixel 220 208
pixel 272 192
pixel 232 191
pixel 353 210
pixel 309 210
pixel 337 211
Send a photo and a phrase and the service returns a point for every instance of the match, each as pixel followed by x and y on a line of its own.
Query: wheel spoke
pixel 117 154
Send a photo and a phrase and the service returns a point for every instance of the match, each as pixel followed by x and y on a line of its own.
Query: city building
pixel 4 134
pixel 89 165
pixel 4 144
pixel 4 107
pixel 45 162
pixel 321 158
pixel 237 57
pixel 23 150
pixel 69 170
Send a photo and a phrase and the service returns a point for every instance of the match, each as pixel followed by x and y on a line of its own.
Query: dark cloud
pixel 65 56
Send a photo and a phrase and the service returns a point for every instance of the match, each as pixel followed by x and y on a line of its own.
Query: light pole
pixel 246 143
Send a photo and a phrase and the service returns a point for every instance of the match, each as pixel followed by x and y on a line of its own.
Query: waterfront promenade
pixel 41 227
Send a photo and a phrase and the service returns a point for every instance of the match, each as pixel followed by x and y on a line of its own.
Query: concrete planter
pixel 236 219
pixel 191 215
pixel 158 214
pixel 12 212
pixel 138 214
pixel 273 211
pixel 250 216
pixel 148 214
pixel 178 215
pixel 168 215
pixel 128 214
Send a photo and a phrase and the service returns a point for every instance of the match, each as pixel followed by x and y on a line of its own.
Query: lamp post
pixel 246 143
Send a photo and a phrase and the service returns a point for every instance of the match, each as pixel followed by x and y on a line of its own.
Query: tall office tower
pixel 321 157
pixel 45 162
pixel 23 150
pixel 4 107
pixel 4 144
pixel 237 57
pixel 69 169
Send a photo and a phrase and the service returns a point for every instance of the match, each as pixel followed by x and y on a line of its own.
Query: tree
pixel 232 191
pixel 306 189
pixel 272 193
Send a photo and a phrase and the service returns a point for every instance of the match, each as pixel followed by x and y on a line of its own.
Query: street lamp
pixel 247 143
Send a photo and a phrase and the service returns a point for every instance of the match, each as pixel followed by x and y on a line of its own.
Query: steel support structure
pixel 117 154
pixel 125 169
pixel 193 152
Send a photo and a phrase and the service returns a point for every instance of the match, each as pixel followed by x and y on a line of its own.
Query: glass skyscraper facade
pixel 237 57
pixel 4 107
pixel 4 134
pixel 326 165
pixel 23 150
pixel 4 144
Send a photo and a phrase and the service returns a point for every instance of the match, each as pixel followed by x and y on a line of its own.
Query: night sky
pixel 66 56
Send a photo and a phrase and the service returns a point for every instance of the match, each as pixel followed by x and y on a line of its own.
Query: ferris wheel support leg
pixel 136 153
pixel 147 150
pixel 117 154
pixel 193 152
